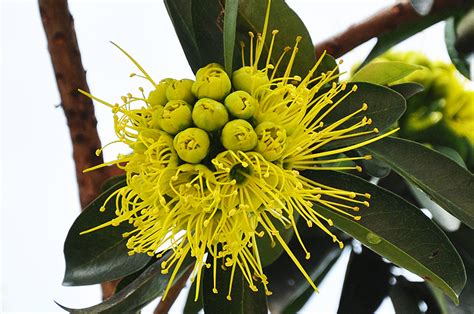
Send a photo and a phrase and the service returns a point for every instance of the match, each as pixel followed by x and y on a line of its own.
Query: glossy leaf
pixel 145 288
pixel 366 283
pixel 385 107
pixel 286 281
pixel 208 24
pixel 447 183
pixel 230 23
pixel 389 39
pixel 180 14
pixel 460 61
pixel 384 73
pixel 101 255
pixel 398 231
pixel 407 90
pixel 422 7
pixel 244 300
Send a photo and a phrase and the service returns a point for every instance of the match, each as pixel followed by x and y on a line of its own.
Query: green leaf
pixel 191 306
pixel 447 183
pixel 385 107
pixel 145 288
pixel 366 283
pixel 101 255
pixel 407 90
pixel 384 73
pixel 179 12
pixel 285 279
pixel 230 21
pixel 398 231
pixel 460 61
pixel 389 39
pixel 208 24
pixel 403 299
pixel 422 7
pixel 243 300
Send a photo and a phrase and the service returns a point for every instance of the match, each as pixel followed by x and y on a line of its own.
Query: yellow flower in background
pixel 454 101
pixel 216 162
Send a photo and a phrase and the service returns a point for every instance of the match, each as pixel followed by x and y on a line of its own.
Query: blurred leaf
pixel 422 7
pixel 389 39
pixel 407 90
pixel 385 107
pixel 447 183
pixel 101 255
pixel 451 153
pixel 398 231
pixel 463 240
pixel 230 23
pixel 460 61
pixel 180 14
pixel 285 279
pixel 384 73
pixel 403 300
pixel 145 288
pixel 244 300
pixel 366 283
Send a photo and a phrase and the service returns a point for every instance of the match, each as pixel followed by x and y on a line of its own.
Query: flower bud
pixel 157 97
pixel 176 116
pixel 209 114
pixel 192 145
pixel 271 140
pixel 238 135
pixel 249 79
pixel 180 90
pixel 156 117
pixel 211 82
pixel 241 104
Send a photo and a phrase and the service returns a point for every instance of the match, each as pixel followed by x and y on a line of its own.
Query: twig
pixel 165 305
pixel 70 75
pixel 384 21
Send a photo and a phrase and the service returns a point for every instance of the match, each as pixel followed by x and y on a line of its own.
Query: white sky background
pixel 39 192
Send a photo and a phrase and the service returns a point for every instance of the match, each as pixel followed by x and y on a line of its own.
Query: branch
pixel 165 305
pixel 70 75
pixel 386 20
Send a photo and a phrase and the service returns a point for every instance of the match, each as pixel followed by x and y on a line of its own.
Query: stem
pixel 70 75
pixel 384 21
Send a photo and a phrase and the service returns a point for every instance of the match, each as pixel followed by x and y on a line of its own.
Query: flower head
pixel 208 179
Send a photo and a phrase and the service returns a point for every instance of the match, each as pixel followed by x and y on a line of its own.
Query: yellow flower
pixel 214 193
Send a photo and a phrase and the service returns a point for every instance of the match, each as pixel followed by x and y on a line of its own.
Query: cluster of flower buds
pixel 214 111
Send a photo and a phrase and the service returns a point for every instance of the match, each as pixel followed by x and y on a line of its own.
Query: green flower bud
pixel 192 145
pixel 211 82
pixel 176 116
pixel 209 114
pixel 156 117
pixel 249 79
pixel 238 135
pixel 241 104
pixel 157 97
pixel 271 140
pixel 180 90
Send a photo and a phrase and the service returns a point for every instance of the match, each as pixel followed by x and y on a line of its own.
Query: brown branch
pixel 386 20
pixel 70 75
pixel 165 305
